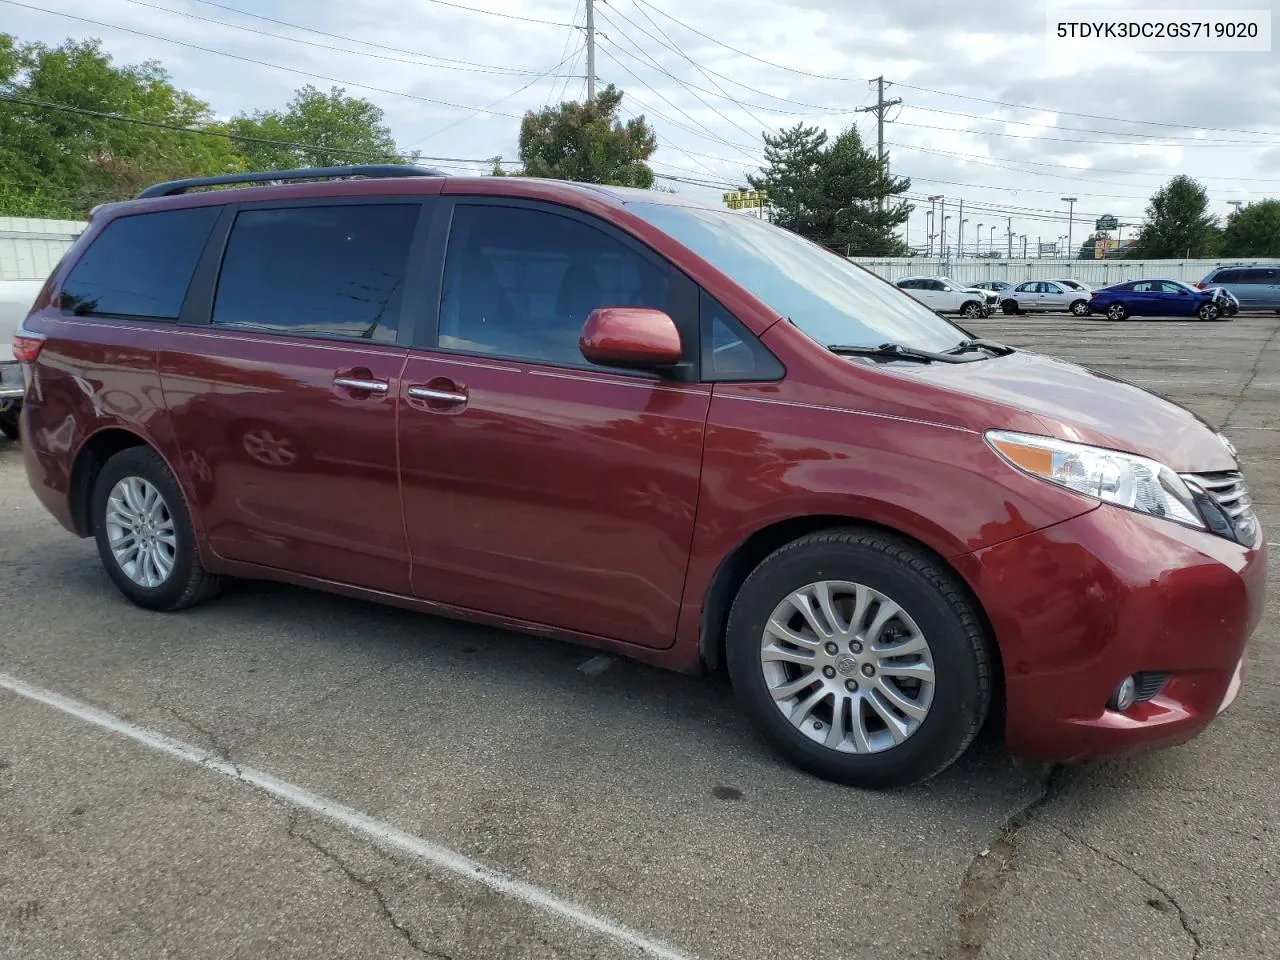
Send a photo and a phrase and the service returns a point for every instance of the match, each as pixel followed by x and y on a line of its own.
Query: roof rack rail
pixel 173 188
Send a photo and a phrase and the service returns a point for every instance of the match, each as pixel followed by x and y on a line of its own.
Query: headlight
pixel 1123 479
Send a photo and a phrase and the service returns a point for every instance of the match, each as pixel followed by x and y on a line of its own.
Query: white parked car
pixel 944 295
pixel 1084 288
pixel 16 297
pixel 1046 296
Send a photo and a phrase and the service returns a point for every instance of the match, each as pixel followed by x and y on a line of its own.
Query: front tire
pixel 9 424
pixel 144 534
pixel 971 310
pixel 1209 311
pixel 860 658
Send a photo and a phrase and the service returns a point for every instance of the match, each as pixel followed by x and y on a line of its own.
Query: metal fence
pixel 1093 273
pixel 30 249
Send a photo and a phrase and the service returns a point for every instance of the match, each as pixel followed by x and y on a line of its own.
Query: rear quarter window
pixel 139 266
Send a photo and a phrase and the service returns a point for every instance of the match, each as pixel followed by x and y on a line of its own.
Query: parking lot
pixel 619 811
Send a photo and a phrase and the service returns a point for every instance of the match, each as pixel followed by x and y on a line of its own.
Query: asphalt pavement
pixel 283 773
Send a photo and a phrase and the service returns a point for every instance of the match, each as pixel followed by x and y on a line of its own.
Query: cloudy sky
pixel 991 115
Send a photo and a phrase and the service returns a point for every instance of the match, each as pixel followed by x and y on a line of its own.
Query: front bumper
pixel 1079 606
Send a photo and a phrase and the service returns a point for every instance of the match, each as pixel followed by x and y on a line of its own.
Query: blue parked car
pixel 1162 298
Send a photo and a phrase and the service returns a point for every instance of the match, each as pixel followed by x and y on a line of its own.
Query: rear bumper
pixel 11 384
pixel 1081 605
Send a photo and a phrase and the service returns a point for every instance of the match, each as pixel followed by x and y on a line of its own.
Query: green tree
pixel 1254 231
pixel 834 192
pixel 587 142
pixel 327 129
pixel 63 161
pixel 1088 245
pixel 1178 223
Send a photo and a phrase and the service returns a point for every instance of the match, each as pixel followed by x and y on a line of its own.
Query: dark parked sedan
pixel 1161 298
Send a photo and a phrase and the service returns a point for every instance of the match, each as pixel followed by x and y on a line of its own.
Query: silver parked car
pixel 1044 296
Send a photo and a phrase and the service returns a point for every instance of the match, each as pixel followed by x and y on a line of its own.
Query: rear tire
pixel 144 534
pixel 1117 312
pixel 9 424
pixel 854 693
pixel 1080 308
pixel 1010 308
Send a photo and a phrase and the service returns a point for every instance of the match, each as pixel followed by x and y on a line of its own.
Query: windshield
pixel 952 285
pixel 826 296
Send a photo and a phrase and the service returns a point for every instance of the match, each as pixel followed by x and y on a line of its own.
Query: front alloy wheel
pixel 847 667
pixel 1209 311
pixel 860 657
pixel 972 310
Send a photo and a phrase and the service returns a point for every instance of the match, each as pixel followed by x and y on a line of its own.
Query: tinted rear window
pixel 140 266
pixel 1256 275
pixel 322 271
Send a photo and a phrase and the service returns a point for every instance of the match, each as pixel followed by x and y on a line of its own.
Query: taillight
pixel 26 348
pixel 1201 285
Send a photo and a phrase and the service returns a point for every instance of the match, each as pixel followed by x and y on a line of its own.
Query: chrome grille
pixel 1227 489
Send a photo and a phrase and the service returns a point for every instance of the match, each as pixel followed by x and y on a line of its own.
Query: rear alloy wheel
pixel 144 533
pixel 1117 311
pixel 971 310
pixel 1209 311
pixel 859 658
pixel 1080 308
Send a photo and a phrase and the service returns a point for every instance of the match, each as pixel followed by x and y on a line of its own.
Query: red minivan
pixel 627 420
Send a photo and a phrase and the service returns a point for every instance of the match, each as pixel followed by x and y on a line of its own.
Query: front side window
pixel 328 271
pixel 139 266
pixel 520 283
pixel 831 299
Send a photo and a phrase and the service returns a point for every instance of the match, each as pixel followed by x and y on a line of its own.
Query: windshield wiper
pixel 896 351
pixel 993 347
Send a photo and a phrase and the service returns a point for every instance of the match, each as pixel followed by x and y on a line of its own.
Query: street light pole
pixel 977 244
pixel 945 250
pixel 1071 217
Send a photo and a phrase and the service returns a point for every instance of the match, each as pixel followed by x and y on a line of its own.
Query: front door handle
pixel 443 396
pixel 362 385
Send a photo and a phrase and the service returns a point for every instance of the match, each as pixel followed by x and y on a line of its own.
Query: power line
pixel 338 36
pixel 1107 133
pixel 669 44
pixel 261 63
pixel 694 129
pixel 326 46
pixel 1030 136
pixel 678 80
pixel 568 39
pixel 1086 116
pixel 453 123
pixel 1080 171
pixel 744 53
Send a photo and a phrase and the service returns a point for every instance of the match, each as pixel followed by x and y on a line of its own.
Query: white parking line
pixel 442 858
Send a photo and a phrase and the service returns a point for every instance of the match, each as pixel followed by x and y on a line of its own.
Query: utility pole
pixel 942 240
pixel 591 51
pixel 1009 228
pixel 977 246
pixel 881 105
pixel 1071 211
pixel 1237 204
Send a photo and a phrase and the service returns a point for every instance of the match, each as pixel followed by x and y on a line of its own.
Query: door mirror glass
pixel 630 337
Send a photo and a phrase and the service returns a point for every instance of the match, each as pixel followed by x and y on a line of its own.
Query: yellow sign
pixel 746 199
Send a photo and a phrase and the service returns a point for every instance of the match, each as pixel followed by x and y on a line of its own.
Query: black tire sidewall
pixel 146 464
pixel 960 699
pixel 1124 312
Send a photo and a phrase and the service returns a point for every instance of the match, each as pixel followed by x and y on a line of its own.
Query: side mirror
pixel 630 337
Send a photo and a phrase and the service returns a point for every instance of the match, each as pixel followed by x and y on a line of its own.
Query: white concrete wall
pixel 30 249
pixel 1093 273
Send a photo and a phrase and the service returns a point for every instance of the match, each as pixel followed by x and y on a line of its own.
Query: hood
pixel 1078 405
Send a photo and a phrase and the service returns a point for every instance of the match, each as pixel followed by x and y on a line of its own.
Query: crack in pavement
pixel 1253 375
pixel 1183 918
pixel 214 740
pixel 990 870
pixel 364 883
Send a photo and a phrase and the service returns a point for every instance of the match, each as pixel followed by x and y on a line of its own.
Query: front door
pixel 284 405
pixel 536 486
